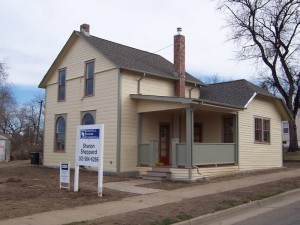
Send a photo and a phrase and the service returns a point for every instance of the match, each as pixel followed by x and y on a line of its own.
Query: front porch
pixel 203 154
pixel 208 160
pixel 192 140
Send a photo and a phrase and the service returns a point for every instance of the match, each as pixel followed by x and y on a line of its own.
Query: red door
pixel 164 144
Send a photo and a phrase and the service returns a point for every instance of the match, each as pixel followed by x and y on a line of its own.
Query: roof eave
pixel 159 75
pixel 289 115
pixel 72 37
pixel 185 101
pixel 208 102
pixel 81 35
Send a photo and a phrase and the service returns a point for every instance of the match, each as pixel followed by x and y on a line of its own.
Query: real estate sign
pixel 64 175
pixel 89 151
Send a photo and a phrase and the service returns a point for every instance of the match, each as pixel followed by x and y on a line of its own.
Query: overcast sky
pixel 34 31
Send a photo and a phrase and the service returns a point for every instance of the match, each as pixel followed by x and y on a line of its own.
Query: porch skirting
pixel 184 174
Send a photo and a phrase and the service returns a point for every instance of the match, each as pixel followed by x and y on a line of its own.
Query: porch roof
pixel 186 102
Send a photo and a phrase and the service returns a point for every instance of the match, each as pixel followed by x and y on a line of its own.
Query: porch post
pixel 152 152
pixel 174 141
pixel 139 137
pixel 189 114
pixel 235 137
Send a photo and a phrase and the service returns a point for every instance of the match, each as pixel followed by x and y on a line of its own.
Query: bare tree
pixel 8 103
pixel 35 117
pixel 267 31
pixel 215 79
pixel 3 73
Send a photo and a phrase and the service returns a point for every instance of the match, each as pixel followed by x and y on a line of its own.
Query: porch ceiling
pixel 151 103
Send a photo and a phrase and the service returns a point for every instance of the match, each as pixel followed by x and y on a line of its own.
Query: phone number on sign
pixel 88 159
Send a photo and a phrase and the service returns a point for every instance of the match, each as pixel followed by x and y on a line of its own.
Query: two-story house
pixel 155 113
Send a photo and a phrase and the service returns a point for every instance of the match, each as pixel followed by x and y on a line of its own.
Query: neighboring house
pixel 5 144
pixel 286 132
pixel 155 113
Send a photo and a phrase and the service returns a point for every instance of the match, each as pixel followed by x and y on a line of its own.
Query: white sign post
pixel 64 175
pixel 89 151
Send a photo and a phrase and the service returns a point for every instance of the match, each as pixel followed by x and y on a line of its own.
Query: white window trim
pixel 262 133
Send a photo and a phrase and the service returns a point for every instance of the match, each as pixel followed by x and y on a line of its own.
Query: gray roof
pixel 134 59
pixel 236 93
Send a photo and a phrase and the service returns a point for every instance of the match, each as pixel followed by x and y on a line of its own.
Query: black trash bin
pixel 35 158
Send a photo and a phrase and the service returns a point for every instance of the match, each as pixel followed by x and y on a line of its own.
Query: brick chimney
pixel 85 29
pixel 179 63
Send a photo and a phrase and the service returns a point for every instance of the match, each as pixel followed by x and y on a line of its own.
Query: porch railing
pixel 204 153
pixel 214 153
pixel 146 154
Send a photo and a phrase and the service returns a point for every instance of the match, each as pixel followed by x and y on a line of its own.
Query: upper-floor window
pixel 88 119
pixel 262 130
pixel 285 127
pixel 60 133
pixel 89 78
pixel 62 85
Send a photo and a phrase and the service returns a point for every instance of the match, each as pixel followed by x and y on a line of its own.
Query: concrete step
pixel 161 169
pixel 158 173
pixel 155 178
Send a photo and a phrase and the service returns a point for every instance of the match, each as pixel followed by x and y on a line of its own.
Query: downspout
pixel 139 81
pixel 119 120
pixel 190 91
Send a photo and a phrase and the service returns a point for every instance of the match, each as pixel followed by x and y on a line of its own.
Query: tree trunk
pixel 293 137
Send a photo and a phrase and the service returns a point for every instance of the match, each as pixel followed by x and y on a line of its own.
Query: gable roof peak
pixel 130 58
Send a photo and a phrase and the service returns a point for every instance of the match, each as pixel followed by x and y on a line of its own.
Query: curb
pixel 239 209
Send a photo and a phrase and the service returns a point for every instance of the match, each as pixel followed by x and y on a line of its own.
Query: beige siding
pixel 253 155
pixel 180 174
pixel 104 102
pixel 74 60
pixel 214 171
pixel 151 106
pixel 128 149
pixel 156 86
pixel 183 174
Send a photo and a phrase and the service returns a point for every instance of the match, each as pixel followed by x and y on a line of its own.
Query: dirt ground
pixel 28 189
pixel 190 208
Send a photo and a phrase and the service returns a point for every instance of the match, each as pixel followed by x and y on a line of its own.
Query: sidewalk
pixel 241 213
pixel 130 204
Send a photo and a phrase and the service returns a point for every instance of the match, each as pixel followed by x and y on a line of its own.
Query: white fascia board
pixel 250 100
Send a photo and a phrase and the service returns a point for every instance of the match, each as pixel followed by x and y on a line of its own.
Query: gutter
pixel 217 104
pixel 190 90
pixel 139 83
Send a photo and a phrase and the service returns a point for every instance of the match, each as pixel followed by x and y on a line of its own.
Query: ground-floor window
pixel 262 130
pixel 60 133
pixel 285 127
pixel 88 117
pixel 198 137
pixel 228 130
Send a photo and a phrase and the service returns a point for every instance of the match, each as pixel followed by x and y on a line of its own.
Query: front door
pixel 164 144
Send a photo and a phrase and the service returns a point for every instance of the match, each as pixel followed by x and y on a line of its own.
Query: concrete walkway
pixel 131 187
pixel 134 203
